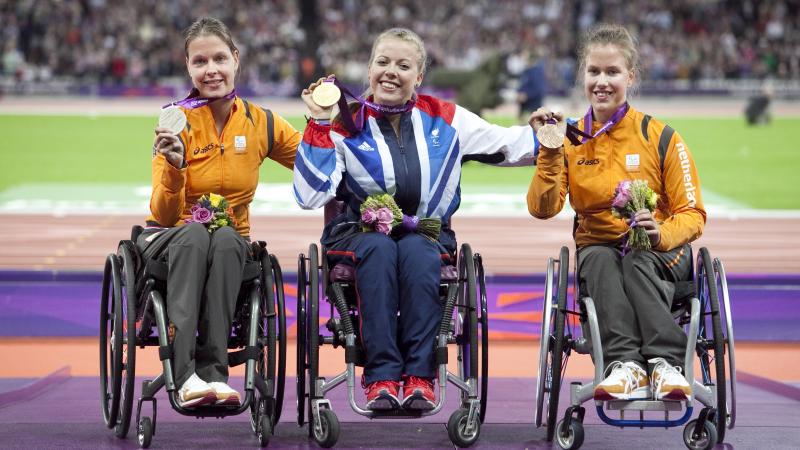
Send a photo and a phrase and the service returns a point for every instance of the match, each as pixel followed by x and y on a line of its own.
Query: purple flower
pixel 384 228
pixel 194 208
pixel 622 198
pixel 202 215
pixel 368 215
pixel 385 216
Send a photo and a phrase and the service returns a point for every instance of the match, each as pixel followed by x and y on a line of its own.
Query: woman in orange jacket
pixel 219 151
pixel 643 347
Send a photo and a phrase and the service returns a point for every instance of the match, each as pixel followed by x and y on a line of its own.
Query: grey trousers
pixel 633 295
pixel 205 275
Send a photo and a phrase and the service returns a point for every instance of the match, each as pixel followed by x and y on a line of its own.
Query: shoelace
pixel 418 382
pixel 663 368
pixel 628 371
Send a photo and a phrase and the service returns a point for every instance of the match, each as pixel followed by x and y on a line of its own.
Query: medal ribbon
pixel 573 132
pixel 357 125
pixel 193 102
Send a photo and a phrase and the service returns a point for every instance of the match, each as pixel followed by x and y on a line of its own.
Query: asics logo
pixel 588 162
pixel 366 147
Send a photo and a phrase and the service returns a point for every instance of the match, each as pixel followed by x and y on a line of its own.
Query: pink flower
pixel 621 199
pixel 369 215
pixel 194 208
pixel 384 228
pixel 385 216
pixel 202 215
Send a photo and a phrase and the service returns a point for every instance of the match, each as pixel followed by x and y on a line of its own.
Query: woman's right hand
pixel 316 111
pixel 170 146
pixel 542 115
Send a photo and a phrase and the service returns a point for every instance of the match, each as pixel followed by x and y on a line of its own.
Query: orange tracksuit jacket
pixel 226 164
pixel 630 150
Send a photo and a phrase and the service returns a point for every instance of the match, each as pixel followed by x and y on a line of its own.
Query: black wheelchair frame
pixel 133 314
pixel 464 315
pixel 712 344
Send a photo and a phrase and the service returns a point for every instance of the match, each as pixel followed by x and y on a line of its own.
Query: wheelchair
pixel 464 323
pixel 697 307
pixel 133 314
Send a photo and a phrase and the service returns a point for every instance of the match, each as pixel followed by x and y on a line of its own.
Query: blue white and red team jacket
pixel 421 167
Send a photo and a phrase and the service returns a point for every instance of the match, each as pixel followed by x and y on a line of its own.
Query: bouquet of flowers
pixel 629 197
pixel 380 213
pixel 213 211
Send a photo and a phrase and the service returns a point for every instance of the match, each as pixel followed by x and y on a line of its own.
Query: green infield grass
pixel 748 165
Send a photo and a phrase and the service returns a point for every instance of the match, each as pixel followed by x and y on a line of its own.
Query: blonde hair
pixel 406 35
pixel 208 26
pixel 610 34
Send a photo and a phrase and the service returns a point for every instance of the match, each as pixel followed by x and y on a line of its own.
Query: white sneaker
pixel 627 381
pixel 668 381
pixel 226 395
pixel 195 392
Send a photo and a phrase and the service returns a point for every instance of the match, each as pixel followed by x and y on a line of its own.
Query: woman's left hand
pixel 644 218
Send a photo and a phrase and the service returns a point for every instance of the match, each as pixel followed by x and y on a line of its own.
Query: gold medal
pixel 550 136
pixel 326 94
pixel 173 119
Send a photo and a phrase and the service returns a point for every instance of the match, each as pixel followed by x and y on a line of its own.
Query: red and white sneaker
pixel 418 393
pixel 382 395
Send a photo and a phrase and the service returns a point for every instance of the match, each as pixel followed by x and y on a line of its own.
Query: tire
pixel 110 341
pixel 730 350
pixel 574 438
pixel 300 380
pixel 263 405
pixel 145 432
pixel 129 308
pixel 706 441
pixel 456 429
pixel 467 311
pixel 264 431
pixel 712 340
pixel 280 385
pixel 329 424
pixel 483 319
pixel 552 358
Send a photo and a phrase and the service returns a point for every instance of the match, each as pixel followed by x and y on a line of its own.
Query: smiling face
pixel 607 77
pixel 212 65
pixel 394 71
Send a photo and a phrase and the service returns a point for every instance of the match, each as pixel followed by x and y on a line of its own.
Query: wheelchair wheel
pixel 110 341
pixel 457 429
pixel 282 338
pixel 483 320
pixel 548 382
pixel 128 348
pixel 467 317
pixel 300 380
pixel 269 407
pixel 312 327
pixel 711 340
pixel 572 437
pixel 706 439
pixel 329 428
pixel 722 289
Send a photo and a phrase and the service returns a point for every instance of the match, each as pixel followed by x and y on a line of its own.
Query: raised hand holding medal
pixel 549 130
pixel 173 119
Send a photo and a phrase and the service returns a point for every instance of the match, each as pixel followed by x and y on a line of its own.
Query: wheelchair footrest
pixel 643 405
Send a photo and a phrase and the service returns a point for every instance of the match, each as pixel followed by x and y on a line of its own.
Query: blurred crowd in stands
pixel 139 43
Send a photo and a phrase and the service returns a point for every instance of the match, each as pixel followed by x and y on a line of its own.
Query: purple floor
pixel 764 307
pixel 66 414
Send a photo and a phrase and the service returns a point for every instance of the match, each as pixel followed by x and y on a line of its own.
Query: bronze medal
pixel 550 136
pixel 172 118
pixel 326 94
